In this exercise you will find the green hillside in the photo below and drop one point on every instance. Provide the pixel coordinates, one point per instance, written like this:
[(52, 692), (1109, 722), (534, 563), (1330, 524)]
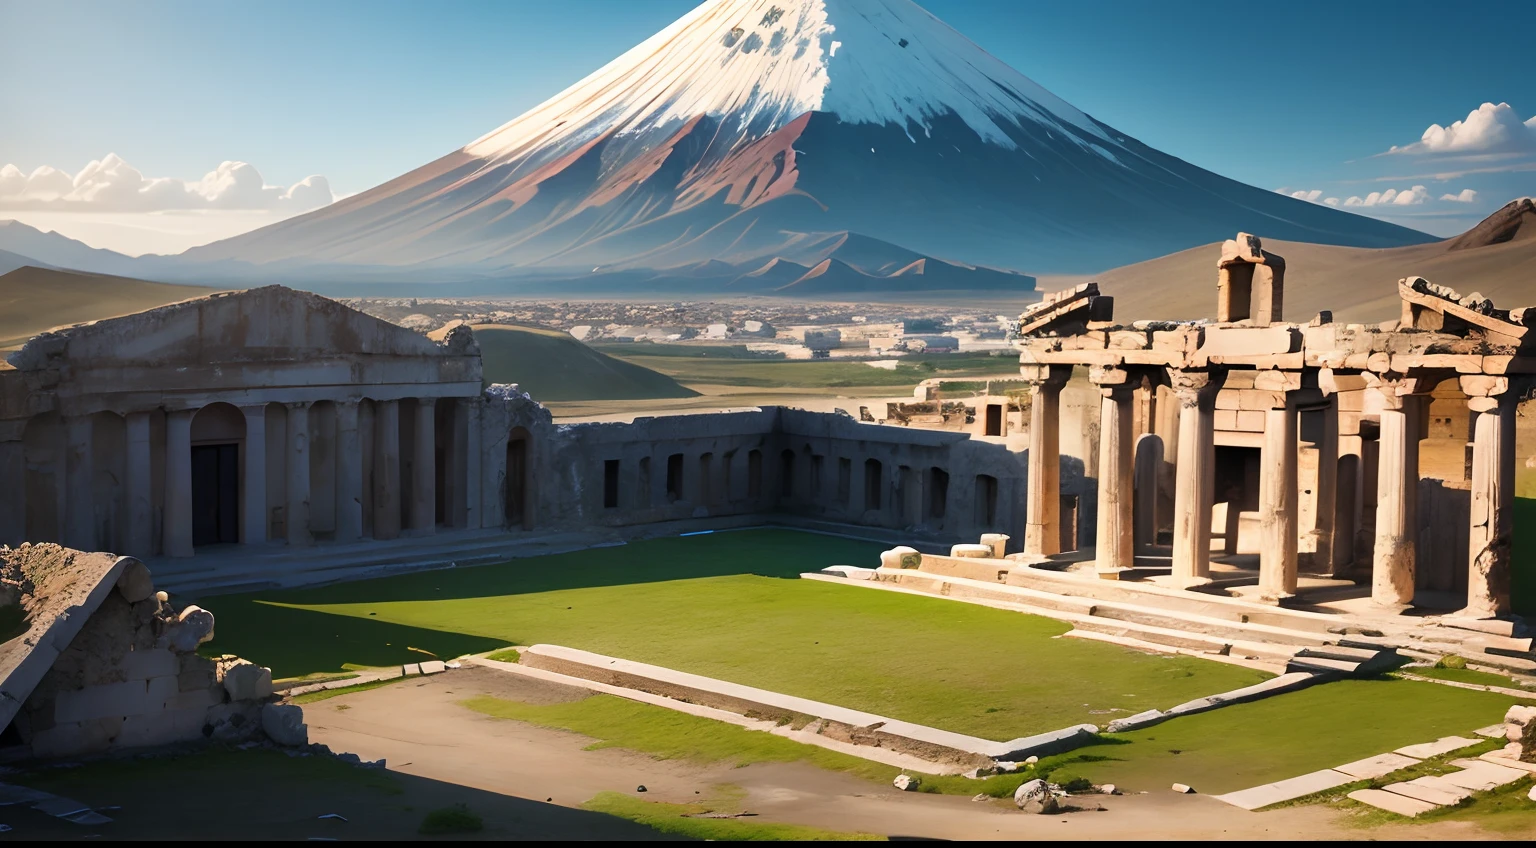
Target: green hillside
[(552, 366)]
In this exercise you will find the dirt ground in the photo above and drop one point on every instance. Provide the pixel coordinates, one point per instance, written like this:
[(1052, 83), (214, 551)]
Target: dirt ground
[(421, 729)]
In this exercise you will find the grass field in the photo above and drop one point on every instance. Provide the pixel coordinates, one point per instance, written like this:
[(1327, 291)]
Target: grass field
[(1224, 750), (718, 605), (552, 366)]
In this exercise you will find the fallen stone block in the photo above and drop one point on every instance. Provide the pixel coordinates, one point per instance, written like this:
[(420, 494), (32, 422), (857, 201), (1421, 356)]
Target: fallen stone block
[(433, 667), (1520, 728), (1443, 794), (1035, 796), (1392, 802), (135, 583), (284, 725), (246, 681), (966, 551), (1183, 789), (906, 783), (410, 669), (1142, 719), (192, 628)]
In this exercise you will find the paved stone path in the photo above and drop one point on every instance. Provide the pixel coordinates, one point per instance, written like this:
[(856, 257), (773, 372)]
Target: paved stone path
[(1408, 798)]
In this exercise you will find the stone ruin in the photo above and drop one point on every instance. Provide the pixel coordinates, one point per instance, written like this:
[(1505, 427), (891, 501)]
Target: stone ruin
[(97, 661)]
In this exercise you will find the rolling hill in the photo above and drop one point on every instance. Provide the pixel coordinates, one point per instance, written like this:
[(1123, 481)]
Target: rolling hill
[(34, 300), (1496, 258), (552, 366)]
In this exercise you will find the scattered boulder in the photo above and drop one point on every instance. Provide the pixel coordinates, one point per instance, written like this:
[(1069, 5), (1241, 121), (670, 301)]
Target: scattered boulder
[(906, 783), (901, 556), (1520, 729), (192, 628), (1183, 789), (434, 667), (1109, 789), (284, 724), (1035, 796), (247, 681), (641, 788)]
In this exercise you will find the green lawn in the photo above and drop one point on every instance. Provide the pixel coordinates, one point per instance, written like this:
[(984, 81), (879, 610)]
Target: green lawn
[(718, 605), (1246, 745), (680, 822)]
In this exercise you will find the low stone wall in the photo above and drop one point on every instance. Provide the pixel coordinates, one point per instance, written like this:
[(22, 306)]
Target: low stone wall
[(107, 664)]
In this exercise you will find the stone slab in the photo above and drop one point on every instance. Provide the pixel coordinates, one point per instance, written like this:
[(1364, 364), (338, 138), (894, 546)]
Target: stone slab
[(1377, 766), (410, 669), (1435, 782), (1392, 802), (434, 667), (1286, 790), (1439, 747), (1429, 794), (1492, 731), (1498, 758), (1480, 775)]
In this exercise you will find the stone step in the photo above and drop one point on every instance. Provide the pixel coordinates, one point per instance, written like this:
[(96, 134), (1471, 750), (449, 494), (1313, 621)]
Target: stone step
[(1323, 665), (1441, 795), (1367, 661), (1392, 802)]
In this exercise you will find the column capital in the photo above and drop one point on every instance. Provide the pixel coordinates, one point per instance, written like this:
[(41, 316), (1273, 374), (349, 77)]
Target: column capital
[(1045, 376), (426, 401), (1113, 383), (298, 404), (1194, 387)]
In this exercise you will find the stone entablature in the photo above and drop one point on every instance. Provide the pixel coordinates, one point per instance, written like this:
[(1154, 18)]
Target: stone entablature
[(1244, 382)]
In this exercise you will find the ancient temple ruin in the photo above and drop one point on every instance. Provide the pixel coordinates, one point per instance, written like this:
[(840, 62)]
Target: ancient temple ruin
[(1301, 439)]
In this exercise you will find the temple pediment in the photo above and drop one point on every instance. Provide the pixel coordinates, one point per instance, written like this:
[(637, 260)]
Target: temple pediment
[(268, 324)]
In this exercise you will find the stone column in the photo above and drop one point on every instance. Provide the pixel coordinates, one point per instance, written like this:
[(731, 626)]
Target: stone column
[(296, 504), (1326, 557), (1278, 504), (137, 485), (1195, 477), (423, 469), (386, 469), (473, 462), (1042, 519), (1148, 461), (177, 540), (253, 491), (349, 474), (1397, 493), (1493, 478), (13, 483), (1115, 549), (79, 520)]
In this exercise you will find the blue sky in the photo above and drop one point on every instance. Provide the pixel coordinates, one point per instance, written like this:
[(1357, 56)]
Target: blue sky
[(1299, 95)]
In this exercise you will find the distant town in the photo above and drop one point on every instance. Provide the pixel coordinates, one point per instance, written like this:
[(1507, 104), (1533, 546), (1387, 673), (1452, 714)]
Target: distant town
[(788, 330)]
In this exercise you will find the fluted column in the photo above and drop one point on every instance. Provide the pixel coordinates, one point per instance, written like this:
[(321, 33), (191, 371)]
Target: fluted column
[(349, 474), (177, 541), (1194, 491), (1115, 548), (473, 462), (13, 483), (1042, 509), (1493, 477), (79, 530), (253, 488), (296, 509), (1393, 569), (138, 486), (423, 469), (1327, 556), (1278, 512), (386, 469)]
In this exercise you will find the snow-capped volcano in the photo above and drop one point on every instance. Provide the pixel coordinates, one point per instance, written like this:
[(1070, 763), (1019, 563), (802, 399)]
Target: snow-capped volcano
[(862, 131)]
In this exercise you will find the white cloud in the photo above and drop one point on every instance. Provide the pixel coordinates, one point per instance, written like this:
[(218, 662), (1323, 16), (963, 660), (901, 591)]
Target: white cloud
[(1415, 196), (1489, 128), (1332, 201), (1467, 196), (113, 185), (1309, 196)]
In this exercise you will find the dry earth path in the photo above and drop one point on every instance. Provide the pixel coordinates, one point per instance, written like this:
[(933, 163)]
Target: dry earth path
[(420, 727)]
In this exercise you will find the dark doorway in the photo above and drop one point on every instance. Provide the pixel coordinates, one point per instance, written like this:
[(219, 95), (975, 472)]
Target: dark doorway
[(610, 484), (517, 482), (787, 474), (938, 493), (986, 500), (215, 494), (754, 474), (994, 419), (675, 477), (874, 483)]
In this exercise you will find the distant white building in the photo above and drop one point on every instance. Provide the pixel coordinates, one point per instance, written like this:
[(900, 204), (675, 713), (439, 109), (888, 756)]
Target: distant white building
[(715, 331)]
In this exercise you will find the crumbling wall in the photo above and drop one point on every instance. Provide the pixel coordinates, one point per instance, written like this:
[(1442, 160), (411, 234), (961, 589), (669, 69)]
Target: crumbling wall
[(129, 675)]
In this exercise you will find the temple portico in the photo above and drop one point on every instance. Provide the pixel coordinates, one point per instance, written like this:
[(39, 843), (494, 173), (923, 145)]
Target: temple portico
[(1299, 445)]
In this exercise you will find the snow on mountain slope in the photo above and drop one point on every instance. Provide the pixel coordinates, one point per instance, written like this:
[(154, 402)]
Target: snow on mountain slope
[(753, 130)]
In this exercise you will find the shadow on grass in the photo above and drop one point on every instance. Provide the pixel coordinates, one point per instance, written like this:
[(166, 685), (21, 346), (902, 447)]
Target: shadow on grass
[(763, 552), (298, 641)]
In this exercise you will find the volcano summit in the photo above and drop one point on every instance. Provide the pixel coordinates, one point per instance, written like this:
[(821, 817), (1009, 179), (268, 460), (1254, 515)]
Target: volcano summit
[(795, 145)]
